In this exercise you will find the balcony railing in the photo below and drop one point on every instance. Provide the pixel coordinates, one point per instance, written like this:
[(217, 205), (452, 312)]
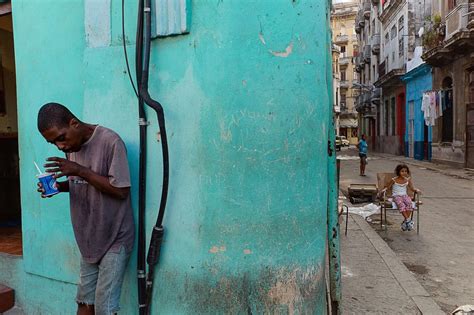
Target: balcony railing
[(356, 25), (458, 19), (340, 39), (363, 60), (375, 95), (367, 53), (389, 6), (366, 8), (358, 66), (358, 104), (361, 19), (363, 102), (453, 38), (366, 98), (344, 61), (375, 43), (382, 69), (344, 84)]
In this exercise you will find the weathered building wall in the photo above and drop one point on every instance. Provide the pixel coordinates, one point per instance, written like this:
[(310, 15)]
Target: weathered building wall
[(452, 152), (247, 100), (418, 81)]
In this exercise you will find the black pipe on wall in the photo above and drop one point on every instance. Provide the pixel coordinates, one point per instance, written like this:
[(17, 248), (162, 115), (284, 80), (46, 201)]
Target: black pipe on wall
[(145, 289)]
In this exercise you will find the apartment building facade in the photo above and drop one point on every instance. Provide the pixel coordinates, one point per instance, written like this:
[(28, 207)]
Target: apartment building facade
[(388, 32), (343, 16), (449, 49), (335, 52), (368, 29)]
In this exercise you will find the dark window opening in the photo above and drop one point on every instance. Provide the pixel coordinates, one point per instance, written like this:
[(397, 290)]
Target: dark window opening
[(3, 105), (10, 210), (447, 119), (451, 4), (392, 116)]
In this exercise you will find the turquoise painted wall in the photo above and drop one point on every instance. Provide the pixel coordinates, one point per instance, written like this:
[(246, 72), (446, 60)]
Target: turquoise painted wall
[(248, 107), (418, 81)]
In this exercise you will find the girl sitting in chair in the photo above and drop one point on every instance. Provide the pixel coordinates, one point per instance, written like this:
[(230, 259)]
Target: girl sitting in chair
[(400, 196)]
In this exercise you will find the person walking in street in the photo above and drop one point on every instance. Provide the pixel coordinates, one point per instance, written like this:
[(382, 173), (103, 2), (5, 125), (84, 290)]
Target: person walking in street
[(400, 196), (98, 182), (363, 148)]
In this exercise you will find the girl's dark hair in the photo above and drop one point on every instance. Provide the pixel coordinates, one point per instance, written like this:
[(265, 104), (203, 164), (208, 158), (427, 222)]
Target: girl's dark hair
[(399, 168)]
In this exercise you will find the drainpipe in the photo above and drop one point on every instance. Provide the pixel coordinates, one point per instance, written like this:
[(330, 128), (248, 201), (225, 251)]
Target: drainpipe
[(141, 265), (143, 62)]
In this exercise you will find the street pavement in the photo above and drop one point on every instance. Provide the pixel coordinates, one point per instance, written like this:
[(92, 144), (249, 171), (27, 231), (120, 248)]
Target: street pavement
[(413, 271)]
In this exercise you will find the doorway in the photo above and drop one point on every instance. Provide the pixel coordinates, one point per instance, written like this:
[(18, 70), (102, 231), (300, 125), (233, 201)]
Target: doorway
[(470, 122), (10, 208), (411, 129), (401, 123), (426, 144)]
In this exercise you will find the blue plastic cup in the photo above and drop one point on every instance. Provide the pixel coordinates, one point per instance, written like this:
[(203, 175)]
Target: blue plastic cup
[(49, 184)]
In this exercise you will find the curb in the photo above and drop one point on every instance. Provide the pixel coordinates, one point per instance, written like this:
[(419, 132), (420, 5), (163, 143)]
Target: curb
[(428, 167), (420, 297)]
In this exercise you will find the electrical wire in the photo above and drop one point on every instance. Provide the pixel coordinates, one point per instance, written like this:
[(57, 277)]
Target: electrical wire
[(125, 48)]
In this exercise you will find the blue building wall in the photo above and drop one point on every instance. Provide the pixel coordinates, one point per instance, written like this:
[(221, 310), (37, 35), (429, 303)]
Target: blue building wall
[(418, 81), (247, 97)]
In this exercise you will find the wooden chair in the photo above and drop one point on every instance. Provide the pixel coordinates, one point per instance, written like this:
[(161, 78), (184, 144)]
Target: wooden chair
[(385, 200)]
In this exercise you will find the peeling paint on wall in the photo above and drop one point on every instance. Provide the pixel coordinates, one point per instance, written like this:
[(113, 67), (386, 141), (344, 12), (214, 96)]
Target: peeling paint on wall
[(283, 54)]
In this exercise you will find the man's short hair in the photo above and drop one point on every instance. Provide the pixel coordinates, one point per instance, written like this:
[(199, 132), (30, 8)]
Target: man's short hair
[(54, 115)]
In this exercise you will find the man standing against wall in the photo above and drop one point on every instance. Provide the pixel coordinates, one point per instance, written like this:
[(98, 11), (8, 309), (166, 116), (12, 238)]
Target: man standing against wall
[(98, 182), (363, 148)]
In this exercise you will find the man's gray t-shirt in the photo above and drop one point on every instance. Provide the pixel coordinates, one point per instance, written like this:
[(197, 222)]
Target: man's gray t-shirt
[(100, 221)]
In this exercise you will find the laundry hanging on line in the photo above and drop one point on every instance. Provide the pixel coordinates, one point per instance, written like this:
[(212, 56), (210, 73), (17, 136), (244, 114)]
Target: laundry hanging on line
[(434, 103)]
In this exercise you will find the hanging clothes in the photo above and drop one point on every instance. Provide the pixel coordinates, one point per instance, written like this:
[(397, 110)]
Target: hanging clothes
[(433, 112), (426, 108)]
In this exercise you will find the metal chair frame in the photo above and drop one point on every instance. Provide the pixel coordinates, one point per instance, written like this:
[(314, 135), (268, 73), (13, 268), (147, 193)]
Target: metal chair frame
[(385, 204)]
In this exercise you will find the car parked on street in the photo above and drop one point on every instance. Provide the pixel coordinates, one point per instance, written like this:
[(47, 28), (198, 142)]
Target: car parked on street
[(344, 141)]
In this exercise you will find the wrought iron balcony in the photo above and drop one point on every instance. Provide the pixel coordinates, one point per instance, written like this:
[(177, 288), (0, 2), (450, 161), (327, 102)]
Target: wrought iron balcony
[(366, 98), (361, 19), (344, 61), (389, 7), (356, 25), (341, 39), (358, 103), (458, 37), (358, 66), (376, 93), (366, 8), (367, 53), (344, 84), (382, 69), (363, 102), (459, 19), (375, 43)]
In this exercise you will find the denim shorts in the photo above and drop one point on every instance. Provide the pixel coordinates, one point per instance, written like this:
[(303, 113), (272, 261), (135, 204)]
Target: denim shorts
[(100, 284)]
